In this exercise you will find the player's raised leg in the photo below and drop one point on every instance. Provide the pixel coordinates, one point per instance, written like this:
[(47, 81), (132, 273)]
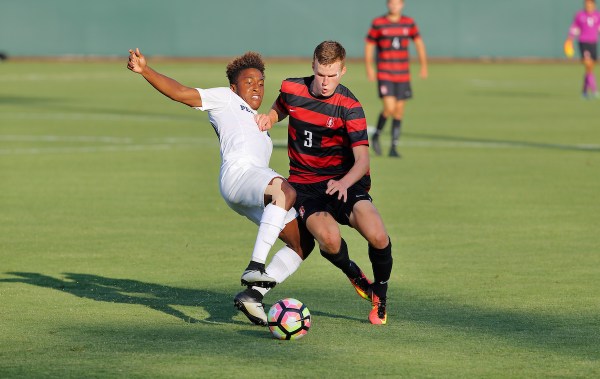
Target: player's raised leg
[(272, 222)]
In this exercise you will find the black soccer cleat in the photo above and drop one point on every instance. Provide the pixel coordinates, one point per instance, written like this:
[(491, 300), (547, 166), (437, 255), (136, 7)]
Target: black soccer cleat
[(394, 153), (375, 144)]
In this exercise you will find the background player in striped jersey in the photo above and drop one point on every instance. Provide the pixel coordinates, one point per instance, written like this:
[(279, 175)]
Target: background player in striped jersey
[(585, 27), (389, 35), (247, 183), (328, 149)]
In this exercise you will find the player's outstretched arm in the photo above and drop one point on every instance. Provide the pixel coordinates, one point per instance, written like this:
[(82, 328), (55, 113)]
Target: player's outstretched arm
[(165, 85)]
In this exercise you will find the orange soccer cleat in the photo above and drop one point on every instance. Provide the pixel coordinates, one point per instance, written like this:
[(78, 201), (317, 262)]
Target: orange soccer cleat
[(378, 315), (362, 286)]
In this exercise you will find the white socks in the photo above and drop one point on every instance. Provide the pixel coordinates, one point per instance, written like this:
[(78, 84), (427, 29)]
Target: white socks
[(271, 224), (282, 266)]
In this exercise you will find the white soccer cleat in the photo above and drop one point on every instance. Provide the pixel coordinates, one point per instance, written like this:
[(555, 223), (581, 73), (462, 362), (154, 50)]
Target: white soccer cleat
[(249, 301), (258, 278)]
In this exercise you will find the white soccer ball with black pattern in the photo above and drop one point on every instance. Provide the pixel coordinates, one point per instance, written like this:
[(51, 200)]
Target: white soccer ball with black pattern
[(289, 319)]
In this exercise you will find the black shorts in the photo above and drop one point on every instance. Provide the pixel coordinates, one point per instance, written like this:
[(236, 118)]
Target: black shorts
[(311, 198), (588, 49), (400, 91)]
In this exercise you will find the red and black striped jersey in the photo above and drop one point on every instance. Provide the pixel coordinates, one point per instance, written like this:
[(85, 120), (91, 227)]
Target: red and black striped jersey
[(322, 130), (392, 40)]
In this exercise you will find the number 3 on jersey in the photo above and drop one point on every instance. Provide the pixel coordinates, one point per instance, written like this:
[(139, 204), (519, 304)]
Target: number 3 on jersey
[(308, 139)]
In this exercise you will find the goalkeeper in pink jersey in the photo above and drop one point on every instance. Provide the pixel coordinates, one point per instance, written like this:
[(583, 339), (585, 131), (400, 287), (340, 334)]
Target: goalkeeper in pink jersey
[(585, 27)]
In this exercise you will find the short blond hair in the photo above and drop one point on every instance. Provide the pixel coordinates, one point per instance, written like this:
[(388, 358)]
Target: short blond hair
[(329, 52)]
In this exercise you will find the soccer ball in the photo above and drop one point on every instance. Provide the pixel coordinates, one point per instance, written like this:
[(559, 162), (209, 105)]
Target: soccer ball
[(288, 319)]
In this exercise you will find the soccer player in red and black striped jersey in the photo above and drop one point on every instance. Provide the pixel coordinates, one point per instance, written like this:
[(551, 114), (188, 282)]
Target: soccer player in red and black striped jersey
[(390, 36), (328, 149)]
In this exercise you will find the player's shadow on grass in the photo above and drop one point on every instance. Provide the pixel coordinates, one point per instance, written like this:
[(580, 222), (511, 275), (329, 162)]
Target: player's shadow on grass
[(28, 101), (161, 298), (500, 143)]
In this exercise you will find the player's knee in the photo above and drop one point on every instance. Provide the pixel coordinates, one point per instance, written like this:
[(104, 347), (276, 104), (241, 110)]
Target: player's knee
[(282, 193), (289, 193), (379, 240), (330, 242), (399, 112)]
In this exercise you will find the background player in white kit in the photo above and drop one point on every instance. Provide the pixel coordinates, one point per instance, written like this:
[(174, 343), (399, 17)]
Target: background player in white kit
[(247, 184)]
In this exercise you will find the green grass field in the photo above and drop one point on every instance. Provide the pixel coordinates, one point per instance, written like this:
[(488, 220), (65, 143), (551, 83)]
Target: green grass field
[(118, 257)]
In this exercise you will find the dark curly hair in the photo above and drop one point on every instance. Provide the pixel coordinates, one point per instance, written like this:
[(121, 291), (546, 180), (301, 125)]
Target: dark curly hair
[(248, 60)]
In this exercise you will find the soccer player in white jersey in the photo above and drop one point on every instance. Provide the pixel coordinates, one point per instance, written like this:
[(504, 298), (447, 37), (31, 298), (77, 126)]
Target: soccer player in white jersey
[(247, 184)]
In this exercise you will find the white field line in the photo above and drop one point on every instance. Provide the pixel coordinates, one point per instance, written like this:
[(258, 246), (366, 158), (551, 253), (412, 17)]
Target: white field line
[(35, 77), (90, 149), (496, 145), (72, 116), (105, 139), (93, 139)]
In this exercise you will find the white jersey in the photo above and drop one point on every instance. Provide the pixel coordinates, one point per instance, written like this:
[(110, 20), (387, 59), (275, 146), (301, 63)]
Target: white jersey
[(233, 120), (245, 152)]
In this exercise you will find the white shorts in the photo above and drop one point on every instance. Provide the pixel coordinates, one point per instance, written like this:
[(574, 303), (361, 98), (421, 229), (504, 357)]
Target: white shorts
[(243, 186)]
